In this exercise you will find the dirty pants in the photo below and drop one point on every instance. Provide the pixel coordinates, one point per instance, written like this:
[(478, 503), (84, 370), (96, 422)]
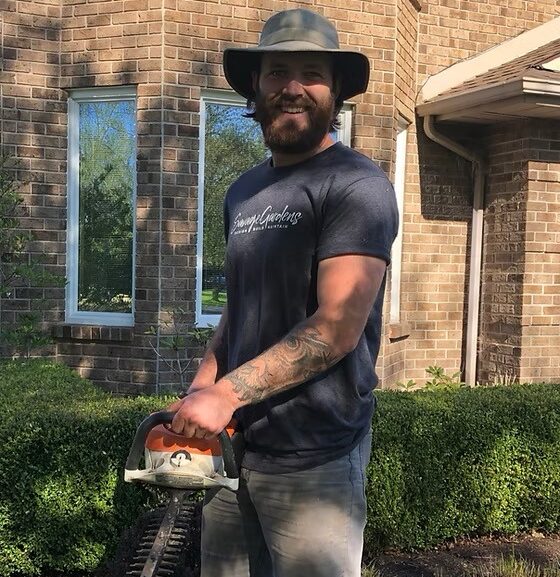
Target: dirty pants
[(303, 524)]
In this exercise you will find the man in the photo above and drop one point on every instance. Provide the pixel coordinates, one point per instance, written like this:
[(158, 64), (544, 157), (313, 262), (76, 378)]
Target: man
[(309, 234)]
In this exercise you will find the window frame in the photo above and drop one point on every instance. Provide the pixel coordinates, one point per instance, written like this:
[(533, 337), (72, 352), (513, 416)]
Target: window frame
[(229, 98), (72, 314), (401, 151)]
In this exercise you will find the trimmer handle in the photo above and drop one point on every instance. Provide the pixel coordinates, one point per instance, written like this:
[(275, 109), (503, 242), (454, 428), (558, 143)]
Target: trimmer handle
[(165, 418)]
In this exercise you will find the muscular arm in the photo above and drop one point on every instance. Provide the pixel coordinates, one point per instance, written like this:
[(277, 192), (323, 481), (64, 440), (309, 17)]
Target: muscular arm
[(214, 362), (346, 290), (300, 356)]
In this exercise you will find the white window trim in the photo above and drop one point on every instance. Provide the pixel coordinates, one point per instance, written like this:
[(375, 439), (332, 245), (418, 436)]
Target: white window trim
[(72, 315), (231, 98), (344, 133), (396, 252)]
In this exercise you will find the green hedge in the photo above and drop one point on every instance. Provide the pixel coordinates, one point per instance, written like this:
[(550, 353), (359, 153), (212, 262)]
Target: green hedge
[(463, 462), (444, 464), (63, 444)]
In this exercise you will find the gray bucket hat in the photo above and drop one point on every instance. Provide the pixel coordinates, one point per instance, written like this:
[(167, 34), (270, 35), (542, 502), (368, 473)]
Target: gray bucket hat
[(297, 30)]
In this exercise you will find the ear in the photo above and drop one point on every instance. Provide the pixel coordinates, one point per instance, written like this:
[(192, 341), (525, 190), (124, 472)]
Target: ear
[(255, 80)]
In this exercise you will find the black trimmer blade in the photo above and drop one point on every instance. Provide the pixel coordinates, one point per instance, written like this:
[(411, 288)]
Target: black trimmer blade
[(162, 547)]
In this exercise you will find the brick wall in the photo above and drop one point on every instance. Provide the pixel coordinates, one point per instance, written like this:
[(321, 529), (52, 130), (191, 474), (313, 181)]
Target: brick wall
[(406, 57), (393, 352), (439, 206), (540, 345), (115, 44), (520, 328), (32, 129), (436, 260), (504, 253), (370, 28), (452, 30), (170, 50)]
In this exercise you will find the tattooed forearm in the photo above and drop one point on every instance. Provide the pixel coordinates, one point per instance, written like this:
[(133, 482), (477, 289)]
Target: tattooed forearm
[(300, 356), (247, 383)]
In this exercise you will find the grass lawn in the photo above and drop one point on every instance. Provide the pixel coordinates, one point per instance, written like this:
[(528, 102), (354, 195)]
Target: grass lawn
[(209, 300), (509, 566)]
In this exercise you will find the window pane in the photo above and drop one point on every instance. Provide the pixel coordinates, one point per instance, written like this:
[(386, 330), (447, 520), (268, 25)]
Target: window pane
[(107, 176), (233, 144)]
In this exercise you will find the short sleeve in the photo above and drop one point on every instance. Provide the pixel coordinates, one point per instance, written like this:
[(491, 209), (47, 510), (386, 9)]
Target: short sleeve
[(361, 218)]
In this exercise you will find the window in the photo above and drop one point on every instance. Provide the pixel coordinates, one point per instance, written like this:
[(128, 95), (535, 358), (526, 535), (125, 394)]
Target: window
[(101, 206), (396, 253), (230, 144)]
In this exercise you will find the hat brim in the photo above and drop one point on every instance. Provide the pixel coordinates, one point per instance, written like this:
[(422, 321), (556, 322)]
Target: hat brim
[(239, 63)]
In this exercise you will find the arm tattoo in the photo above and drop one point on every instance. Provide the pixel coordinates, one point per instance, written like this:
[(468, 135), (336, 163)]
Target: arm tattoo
[(300, 356)]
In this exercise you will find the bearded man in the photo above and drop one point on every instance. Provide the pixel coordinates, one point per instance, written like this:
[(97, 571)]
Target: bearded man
[(309, 235)]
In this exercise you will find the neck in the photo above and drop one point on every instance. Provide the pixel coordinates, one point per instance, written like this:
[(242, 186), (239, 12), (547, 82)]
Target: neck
[(286, 159)]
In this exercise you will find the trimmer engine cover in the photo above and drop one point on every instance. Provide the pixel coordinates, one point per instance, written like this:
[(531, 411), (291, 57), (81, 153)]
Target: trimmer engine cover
[(178, 462)]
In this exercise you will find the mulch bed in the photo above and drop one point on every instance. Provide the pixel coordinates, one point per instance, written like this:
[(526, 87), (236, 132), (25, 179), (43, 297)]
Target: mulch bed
[(463, 557)]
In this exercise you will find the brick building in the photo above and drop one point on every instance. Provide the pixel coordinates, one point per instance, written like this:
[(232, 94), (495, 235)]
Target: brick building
[(119, 114)]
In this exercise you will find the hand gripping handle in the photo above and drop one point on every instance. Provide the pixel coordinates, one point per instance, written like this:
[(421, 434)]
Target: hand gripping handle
[(165, 417)]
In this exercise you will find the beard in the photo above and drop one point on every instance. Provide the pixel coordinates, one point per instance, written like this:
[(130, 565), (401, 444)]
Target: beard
[(287, 136)]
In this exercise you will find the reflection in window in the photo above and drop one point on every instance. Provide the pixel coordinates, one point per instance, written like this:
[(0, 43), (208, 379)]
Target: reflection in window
[(102, 181), (232, 145)]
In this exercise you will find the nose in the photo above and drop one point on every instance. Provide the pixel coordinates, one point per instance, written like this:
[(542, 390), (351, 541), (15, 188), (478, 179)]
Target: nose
[(293, 87)]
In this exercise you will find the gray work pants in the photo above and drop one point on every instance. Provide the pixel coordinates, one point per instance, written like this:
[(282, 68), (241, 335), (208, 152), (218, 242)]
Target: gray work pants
[(304, 524)]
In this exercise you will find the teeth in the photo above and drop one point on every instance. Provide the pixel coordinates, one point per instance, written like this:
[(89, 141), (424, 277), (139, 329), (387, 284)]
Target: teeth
[(293, 110)]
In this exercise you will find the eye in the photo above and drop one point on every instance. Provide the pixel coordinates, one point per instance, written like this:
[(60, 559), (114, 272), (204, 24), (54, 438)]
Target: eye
[(277, 73), (314, 75)]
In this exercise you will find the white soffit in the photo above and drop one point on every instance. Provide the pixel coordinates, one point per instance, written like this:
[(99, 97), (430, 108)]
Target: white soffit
[(552, 65), (492, 58)]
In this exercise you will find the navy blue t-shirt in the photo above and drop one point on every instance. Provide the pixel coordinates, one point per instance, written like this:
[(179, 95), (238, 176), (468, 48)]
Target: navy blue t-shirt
[(280, 222)]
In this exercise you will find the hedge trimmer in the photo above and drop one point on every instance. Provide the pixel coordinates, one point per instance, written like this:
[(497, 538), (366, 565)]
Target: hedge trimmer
[(182, 466)]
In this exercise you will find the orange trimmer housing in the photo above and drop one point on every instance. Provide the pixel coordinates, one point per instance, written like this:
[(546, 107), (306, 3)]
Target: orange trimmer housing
[(175, 461), (162, 439)]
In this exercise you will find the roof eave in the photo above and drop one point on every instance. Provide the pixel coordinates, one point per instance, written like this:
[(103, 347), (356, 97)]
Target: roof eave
[(453, 106), (494, 57)]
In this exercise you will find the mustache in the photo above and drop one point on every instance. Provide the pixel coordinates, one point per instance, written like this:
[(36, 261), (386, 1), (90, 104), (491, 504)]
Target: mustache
[(298, 101)]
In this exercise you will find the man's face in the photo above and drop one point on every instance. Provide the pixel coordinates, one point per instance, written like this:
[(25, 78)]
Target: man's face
[(294, 100)]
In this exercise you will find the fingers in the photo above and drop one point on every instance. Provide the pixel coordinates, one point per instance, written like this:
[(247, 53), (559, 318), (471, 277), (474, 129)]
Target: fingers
[(175, 405), (201, 415), (181, 426), (202, 434)]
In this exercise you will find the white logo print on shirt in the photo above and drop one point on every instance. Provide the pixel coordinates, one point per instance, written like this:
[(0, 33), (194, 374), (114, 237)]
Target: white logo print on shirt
[(265, 220)]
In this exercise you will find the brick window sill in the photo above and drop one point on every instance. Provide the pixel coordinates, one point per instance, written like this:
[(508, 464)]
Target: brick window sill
[(398, 331), (69, 332)]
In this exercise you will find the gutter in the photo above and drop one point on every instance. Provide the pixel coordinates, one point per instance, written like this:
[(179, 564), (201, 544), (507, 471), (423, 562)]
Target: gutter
[(473, 306)]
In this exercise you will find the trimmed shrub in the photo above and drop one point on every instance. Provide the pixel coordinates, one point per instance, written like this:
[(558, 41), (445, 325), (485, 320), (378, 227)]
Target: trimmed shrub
[(63, 503), (444, 464), (461, 462)]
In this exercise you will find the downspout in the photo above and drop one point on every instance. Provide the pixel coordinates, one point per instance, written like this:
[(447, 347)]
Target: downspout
[(473, 306)]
